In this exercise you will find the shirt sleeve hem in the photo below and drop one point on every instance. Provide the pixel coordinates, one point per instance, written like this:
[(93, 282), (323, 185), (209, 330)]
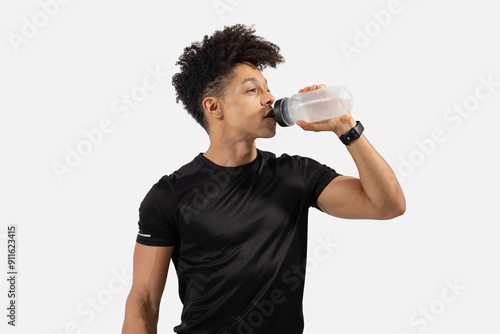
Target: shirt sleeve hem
[(324, 183), (154, 242)]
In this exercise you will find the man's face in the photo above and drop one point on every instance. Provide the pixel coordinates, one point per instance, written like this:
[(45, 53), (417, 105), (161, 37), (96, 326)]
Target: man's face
[(246, 104)]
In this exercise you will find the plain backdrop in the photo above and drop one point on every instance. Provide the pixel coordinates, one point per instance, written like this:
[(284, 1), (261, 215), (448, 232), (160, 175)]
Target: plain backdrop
[(425, 79)]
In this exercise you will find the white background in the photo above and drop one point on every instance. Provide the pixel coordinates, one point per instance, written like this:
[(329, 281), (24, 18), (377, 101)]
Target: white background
[(76, 232)]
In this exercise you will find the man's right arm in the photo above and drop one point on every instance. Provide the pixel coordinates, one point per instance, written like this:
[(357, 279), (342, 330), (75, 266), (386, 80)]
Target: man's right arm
[(149, 277)]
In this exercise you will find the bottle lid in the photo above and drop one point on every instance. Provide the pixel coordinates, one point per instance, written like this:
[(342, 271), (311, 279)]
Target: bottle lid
[(281, 112)]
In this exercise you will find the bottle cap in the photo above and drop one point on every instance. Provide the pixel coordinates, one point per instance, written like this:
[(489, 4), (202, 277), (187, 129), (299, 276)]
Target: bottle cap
[(281, 112)]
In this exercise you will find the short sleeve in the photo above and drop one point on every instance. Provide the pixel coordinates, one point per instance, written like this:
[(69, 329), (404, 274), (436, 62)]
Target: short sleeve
[(157, 216), (316, 177)]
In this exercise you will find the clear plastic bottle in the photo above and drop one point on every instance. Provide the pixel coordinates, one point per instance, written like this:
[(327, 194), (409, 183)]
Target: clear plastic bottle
[(313, 106)]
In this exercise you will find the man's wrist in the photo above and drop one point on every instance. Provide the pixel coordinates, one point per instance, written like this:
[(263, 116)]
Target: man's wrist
[(353, 134), (344, 126)]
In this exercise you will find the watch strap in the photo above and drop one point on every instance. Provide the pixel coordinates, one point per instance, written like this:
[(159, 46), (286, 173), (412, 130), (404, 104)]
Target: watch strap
[(352, 134)]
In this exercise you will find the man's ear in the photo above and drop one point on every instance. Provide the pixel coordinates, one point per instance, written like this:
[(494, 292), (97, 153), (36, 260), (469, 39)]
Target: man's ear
[(212, 107)]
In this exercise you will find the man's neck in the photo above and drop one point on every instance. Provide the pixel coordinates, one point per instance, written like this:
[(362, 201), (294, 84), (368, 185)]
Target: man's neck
[(231, 154)]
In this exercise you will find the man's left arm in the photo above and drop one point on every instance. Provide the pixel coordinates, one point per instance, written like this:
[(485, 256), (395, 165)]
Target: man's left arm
[(376, 194)]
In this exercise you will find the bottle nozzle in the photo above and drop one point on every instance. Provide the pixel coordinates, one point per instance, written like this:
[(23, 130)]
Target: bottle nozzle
[(281, 112)]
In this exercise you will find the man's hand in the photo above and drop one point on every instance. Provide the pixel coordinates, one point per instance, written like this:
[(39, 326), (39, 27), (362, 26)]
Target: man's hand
[(339, 125)]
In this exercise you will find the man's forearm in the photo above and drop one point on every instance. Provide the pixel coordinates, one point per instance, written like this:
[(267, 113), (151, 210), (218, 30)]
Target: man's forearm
[(377, 178), (380, 190), (140, 317)]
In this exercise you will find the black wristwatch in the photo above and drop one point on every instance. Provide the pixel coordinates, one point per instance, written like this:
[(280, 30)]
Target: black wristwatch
[(352, 134)]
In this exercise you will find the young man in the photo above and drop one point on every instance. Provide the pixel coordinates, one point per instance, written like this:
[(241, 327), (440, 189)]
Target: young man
[(234, 219)]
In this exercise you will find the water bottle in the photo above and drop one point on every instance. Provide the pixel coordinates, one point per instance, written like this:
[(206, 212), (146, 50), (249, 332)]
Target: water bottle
[(313, 106)]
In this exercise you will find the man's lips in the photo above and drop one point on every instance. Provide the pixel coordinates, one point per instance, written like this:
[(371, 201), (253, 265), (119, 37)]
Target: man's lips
[(270, 114)]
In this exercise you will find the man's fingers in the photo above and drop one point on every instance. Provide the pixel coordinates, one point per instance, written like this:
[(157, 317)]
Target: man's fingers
[(324, 125), (309, 126), (310, 88)]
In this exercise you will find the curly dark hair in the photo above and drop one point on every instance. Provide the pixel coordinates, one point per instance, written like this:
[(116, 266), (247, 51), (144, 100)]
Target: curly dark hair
[(206, 67)]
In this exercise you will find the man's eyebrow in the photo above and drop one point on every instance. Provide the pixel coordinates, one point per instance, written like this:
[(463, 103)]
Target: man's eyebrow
[(250, 79)]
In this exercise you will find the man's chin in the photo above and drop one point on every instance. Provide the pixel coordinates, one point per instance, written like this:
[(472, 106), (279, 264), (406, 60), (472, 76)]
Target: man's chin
[(268, 134)]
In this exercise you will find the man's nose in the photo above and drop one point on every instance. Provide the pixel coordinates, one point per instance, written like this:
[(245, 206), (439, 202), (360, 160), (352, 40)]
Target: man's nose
[(268, 99)]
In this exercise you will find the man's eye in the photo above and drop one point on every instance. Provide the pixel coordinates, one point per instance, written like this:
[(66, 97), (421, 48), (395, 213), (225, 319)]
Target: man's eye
[(252, 90)]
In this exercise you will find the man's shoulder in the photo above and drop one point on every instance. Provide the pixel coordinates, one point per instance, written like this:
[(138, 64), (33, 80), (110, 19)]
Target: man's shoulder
[(283, 158), (190, 168), (196, 165)]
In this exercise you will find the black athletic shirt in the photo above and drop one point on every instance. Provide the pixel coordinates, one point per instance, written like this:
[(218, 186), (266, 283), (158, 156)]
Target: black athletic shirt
[(240, 236)]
